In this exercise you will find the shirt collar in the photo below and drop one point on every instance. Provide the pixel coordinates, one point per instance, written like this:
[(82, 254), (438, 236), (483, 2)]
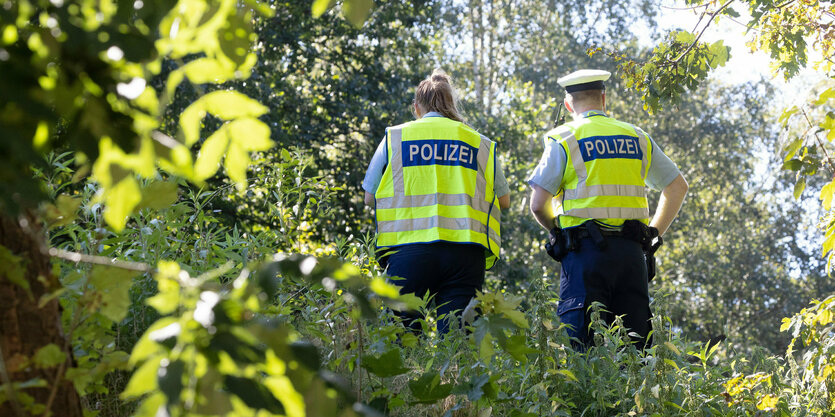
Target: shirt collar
[(591, 113), (433, 114)]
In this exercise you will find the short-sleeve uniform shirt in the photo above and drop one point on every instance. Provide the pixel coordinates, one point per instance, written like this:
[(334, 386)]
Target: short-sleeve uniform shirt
[(548, 174)]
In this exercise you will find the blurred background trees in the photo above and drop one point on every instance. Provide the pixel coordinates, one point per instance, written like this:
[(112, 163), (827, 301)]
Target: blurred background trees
[(214, 134)]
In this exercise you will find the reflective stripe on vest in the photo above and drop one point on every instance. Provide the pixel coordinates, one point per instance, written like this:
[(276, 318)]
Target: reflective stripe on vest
[(432, 156), (592, 198)]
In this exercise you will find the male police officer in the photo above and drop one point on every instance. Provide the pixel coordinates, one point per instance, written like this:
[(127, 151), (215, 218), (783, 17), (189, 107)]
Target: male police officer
[(598, 168)]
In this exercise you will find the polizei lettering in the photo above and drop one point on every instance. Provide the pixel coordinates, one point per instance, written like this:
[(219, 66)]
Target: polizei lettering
[(439, 152), (605, 147)]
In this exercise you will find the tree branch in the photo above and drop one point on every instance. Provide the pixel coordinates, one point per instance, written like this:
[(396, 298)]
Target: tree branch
[(820, 143), (696, 41), (11, 395), (99, 260)]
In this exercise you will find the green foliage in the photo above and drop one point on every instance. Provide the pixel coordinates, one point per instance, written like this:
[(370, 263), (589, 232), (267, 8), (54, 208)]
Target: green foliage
[(812, 331)]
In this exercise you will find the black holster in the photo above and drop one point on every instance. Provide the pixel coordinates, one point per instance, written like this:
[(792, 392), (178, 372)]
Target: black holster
[(557, 247), (648, 238)]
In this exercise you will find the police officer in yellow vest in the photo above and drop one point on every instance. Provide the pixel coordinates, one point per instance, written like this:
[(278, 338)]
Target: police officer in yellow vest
[(438, 190), (598, 168)]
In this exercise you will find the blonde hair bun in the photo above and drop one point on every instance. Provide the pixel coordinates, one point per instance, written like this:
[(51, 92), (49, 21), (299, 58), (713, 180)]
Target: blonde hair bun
[(439, 76), (437, 94)]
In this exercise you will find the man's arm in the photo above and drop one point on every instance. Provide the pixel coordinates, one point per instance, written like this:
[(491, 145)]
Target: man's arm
[(369, 199), (669, 204), (541, 207), (504, 201)]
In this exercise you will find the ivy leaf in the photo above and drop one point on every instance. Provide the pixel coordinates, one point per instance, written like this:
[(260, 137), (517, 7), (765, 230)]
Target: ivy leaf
[(113, 284)]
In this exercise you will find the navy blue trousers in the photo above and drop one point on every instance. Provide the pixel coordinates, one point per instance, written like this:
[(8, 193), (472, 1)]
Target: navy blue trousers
[(616, 277), (450, 272)]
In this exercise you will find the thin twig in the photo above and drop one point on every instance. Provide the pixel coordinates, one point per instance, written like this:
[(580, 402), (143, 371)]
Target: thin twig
[(11, 395), (820, 143), (692, 45), (99, 260), (686, 8), (55, 384)]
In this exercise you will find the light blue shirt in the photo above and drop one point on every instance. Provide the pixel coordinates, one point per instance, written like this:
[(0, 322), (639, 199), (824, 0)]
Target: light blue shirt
[(378, 164), (549, 172)]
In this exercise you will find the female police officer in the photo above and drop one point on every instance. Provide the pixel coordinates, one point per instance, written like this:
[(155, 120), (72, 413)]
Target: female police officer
[(436, 184)]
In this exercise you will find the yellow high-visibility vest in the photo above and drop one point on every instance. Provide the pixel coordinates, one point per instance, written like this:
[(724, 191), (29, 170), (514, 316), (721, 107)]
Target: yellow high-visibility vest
[(607, 163), (438, 186)]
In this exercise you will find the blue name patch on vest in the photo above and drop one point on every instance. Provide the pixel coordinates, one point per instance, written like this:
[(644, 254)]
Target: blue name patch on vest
[(607, 147), (439, 152)]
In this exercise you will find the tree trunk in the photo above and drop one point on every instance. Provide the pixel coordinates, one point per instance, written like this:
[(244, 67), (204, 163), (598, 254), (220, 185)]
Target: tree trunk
[(25, 327)]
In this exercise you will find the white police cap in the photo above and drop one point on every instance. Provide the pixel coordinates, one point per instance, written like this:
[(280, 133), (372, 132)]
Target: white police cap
[(584, 79)]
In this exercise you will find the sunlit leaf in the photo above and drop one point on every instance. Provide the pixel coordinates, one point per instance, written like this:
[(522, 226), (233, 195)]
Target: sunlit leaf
[(120, 200), (208, 160), (114, 286), (321, 6), (49, 356)]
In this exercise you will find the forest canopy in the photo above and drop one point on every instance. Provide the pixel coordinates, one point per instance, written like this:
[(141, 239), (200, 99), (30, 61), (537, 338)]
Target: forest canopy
[(183, 232)]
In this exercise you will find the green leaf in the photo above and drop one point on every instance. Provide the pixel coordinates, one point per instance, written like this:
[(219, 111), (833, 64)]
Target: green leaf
[(388, 364), (356, 11), (827, 192), (143, 380), (253, 394), (158, 195), (236, 40), (825, 96), (205, 70), (49, 356), (799, 187), (828, 124), (428, 388), (720, 54), (250, 134), (306, 354), (120, 200), (170, 379), (113, 284), (230, 105), (147, 346), (787, 114), (793, 164), (12, 268), (321, 6), (516, 346), (792, 148), (210, 155), (236, 163)]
